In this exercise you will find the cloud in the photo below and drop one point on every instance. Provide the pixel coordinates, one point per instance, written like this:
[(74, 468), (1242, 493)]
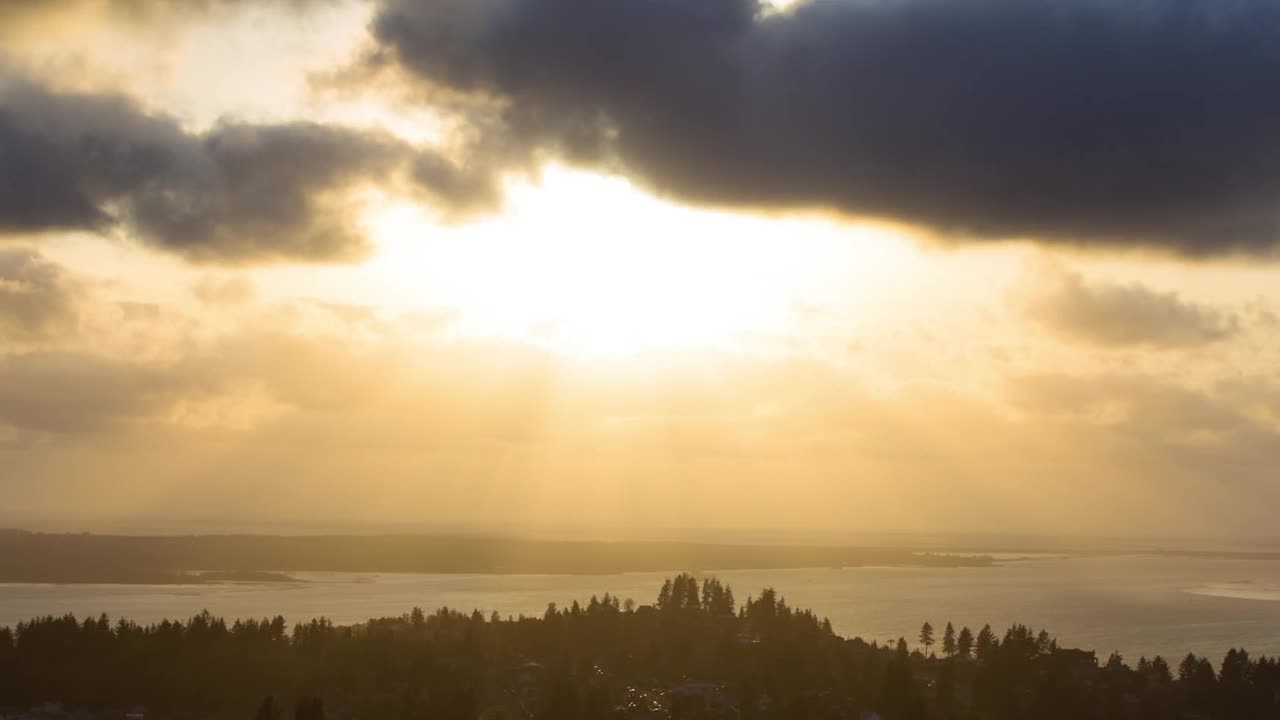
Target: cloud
[(1118, 316), (73, 392), (76, 392), (467, 434), (232, 290), (1168, 440), (1150, 406), (26, 21), (135, 9), (38, 298), (1098, 122), (470, 431), (239, 193), (1256, 394)]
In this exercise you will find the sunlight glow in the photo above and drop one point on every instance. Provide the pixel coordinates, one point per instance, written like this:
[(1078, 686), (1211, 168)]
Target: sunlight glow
[(594, 267)]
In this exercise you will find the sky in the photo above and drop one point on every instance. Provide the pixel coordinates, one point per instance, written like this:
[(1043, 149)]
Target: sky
[(640, 267)]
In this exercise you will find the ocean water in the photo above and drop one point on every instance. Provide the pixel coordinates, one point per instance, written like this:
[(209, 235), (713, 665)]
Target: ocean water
[(1134, 604)]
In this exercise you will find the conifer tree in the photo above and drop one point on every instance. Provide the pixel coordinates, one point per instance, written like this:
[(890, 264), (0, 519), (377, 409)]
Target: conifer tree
[(964, 642), (926, 637), (985, 643)]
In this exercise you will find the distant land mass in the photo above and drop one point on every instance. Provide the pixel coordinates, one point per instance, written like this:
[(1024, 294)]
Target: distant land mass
[(85, 558)]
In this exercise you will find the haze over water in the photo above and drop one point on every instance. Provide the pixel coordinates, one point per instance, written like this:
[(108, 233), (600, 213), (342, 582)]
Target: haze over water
[(1134, 604)]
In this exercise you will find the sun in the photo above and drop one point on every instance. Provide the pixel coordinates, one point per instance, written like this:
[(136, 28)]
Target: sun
[(595, 267)]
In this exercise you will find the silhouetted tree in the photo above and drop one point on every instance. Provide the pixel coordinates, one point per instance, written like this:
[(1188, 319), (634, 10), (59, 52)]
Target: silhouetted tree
[(1198, 683), (1160, 674), (926, 637), (664, 595), (949, 641), (1045, 642), (1115, 663), (985, 643), (964, 642)]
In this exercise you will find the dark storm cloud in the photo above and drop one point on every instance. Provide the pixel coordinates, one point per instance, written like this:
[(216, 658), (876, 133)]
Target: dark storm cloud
[(1115, 315), (1114, 122), (251, 192), (38, 298), (237, 193)]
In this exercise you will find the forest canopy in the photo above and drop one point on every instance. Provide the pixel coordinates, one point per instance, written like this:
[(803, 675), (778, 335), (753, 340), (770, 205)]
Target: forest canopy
[(695, 652)]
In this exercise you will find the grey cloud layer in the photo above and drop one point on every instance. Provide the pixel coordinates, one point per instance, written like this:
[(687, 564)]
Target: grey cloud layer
[(237, 193), (1146, 123), (1098, 122)]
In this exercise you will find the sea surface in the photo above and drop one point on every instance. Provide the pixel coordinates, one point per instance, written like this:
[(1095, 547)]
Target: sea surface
[(1134, 604)]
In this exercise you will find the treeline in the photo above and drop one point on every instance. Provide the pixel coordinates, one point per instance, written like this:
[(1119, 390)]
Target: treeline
[(694, 653)]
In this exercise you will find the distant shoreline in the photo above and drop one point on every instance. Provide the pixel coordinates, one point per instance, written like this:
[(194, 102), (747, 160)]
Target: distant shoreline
[(83, 559), (143, 578), (27, 557)]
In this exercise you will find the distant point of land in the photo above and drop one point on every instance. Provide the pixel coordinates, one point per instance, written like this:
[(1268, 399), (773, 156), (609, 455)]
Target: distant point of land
[(195, 559)]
